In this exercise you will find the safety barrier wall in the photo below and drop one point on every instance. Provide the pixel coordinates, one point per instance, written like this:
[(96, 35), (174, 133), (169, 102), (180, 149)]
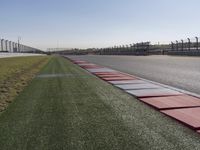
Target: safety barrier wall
[(13, 47)]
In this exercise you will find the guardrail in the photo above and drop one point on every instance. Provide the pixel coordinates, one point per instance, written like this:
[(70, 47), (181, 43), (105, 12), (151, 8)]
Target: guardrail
[(13, 47)]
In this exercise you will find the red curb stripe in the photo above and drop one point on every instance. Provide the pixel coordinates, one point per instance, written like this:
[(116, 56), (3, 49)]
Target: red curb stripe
[(172, 102)]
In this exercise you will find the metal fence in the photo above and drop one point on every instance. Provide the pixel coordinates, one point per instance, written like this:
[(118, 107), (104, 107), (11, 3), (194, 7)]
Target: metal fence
[(13, 47), (131, 49), (188, 44)]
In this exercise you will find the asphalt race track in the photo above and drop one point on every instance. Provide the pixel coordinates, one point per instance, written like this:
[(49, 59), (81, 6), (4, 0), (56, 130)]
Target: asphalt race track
[(179, 72)]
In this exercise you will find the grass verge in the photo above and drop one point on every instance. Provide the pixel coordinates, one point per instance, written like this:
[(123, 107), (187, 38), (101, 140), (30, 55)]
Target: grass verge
[(15, 74)]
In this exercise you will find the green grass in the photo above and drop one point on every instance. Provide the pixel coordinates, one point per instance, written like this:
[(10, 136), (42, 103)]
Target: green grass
[(82, 112), (15, 73)]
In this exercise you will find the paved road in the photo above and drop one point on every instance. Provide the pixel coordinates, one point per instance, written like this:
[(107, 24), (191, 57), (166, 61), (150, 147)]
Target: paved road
[(179, 72)]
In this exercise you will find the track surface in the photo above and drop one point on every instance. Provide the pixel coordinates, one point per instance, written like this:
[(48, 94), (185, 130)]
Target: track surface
[(80, 112), (179, 72)]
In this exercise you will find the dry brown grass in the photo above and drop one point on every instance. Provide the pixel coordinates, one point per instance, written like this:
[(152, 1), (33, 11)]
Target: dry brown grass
[(15, 74)]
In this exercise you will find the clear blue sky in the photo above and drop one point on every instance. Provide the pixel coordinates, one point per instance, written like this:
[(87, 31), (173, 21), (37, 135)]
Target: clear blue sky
[(98, 23)]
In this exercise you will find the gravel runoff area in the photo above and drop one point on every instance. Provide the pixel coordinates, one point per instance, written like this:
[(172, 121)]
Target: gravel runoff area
[(6, 55), (82, 112)]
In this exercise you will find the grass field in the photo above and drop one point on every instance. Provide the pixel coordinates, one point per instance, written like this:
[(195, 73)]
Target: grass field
[(77, 111), (15, 73)]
